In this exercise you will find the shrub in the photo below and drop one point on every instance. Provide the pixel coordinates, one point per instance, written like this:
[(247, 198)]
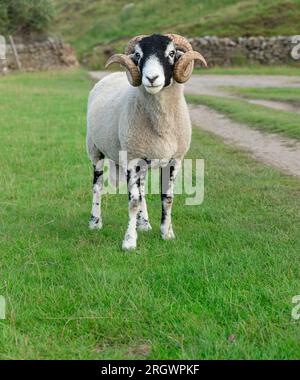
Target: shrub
[(25, 16)]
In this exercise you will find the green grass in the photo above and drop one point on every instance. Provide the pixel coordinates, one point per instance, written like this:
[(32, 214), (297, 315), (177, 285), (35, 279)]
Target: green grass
[(251, 70), (283, 94), (88, 24), (256, 116), (72, 293)]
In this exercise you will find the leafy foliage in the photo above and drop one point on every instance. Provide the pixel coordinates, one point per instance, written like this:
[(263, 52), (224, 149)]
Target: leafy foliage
[(25, 16)]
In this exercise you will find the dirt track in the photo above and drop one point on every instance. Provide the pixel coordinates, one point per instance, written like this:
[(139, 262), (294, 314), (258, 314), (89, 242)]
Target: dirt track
[(279, 152), (272, 149)]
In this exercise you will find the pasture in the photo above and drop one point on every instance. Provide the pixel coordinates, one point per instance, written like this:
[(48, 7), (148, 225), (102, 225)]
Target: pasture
[(222, 290)]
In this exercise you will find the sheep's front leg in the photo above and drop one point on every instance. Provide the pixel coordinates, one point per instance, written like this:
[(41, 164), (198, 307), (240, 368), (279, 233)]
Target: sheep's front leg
[(168, 175), (142, 221), (134, 204), (96, 219)]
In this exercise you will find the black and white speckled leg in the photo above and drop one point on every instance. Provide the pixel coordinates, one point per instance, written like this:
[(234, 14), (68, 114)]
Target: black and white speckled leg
[(96, 218), (168, 175), (134, 203), (142, 221)]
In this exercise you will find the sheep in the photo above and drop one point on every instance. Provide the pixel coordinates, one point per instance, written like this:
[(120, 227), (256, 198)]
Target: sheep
[(148, 118)]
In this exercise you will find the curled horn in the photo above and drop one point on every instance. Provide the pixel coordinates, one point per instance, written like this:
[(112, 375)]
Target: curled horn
[(132, 71), (184, 66), (180, 42)]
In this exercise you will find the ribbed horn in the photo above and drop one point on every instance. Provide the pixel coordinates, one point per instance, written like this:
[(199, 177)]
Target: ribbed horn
[(132, 71), (184, 66), (180, 42)]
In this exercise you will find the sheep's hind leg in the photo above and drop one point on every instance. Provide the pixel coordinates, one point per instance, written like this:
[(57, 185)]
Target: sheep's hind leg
[(142, 220), (168, 175), (96, 218), (134, 204)]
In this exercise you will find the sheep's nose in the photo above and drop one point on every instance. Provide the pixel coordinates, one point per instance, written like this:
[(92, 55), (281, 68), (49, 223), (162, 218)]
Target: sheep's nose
[(152, 79)]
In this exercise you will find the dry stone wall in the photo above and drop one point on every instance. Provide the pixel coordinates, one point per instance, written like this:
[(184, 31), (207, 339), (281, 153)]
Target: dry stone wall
[(40, 54), (245, 50)]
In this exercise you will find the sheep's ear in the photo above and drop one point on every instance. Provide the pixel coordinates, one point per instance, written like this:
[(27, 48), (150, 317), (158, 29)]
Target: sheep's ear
[(133, 58), (179, 53)]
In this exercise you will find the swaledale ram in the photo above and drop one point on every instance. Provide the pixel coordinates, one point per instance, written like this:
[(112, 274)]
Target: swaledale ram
[(143, 112)]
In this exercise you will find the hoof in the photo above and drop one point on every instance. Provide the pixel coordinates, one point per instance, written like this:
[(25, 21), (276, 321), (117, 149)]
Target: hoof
[(167, 235), (129, 243)]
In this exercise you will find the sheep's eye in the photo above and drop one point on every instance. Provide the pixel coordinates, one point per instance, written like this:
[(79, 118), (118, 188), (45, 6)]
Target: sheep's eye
[(137, 55), (172, 53)]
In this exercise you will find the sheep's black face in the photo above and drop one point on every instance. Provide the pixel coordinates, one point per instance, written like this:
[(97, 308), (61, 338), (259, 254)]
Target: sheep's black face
[(155, 56)]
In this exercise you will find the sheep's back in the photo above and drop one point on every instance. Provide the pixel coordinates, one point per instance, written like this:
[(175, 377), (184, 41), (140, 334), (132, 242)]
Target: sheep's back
[(106, 100)]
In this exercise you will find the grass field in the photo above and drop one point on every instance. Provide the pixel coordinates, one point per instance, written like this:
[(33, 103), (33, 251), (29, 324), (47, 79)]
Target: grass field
[(257, 116), (222, 289), (270, 93), (251, 70), (87, 24)]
